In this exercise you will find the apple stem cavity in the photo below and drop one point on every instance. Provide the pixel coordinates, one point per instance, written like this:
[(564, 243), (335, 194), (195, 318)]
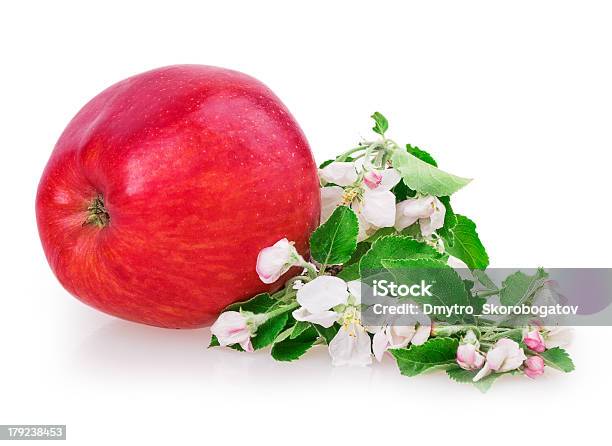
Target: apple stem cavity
[(97, 213)]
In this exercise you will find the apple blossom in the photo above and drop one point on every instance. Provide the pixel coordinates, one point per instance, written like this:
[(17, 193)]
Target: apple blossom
[(428, 210), (276, 260), (340, 173), (328, 299), (557, 336), (317, 299), (374, 206), (351, 346), (233, 327), (468, 356), (534, 340), (534, 367), (397, 336), (504, 356)]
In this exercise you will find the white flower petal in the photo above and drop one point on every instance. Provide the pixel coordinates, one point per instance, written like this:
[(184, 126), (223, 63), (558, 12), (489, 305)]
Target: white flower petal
[(435, 220), (322, 294), (325, 318), (340, 173), (558, 337), (356, 288), (400, 335), (401, 219), (456, 263), (485, 371), (421, 335), (331, 197), (378, 207), (390, 177), (380, 344), (351, 346), (419, 207)]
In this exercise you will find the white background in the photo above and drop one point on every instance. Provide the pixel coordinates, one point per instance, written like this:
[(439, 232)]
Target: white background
[(516, 95)]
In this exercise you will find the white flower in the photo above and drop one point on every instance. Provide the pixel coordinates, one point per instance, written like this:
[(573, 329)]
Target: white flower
[(377, 207), (504, 356), (340, 173), (429, 211), (329, 299), (232, 328), (374, 206), (331, 197), (557, 336), (391, 336), (276, 260), (317, 298), (351, 346)]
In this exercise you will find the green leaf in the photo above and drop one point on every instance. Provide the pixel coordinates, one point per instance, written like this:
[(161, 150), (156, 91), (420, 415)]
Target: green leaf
[(335, 241), (299, 328), (381, 125), (447, 288), (421, 154), (325, 163), (362, 248), (327, 333), (558, 358), (382, 232), (467, 245), (402, 192), (269, 330), (459, 375), (258, 304), (437, 353), (350, 272), (292, 349), (214, 342), (484, 279), (450, 221), (394, 247), (519, 287), (424, 177)]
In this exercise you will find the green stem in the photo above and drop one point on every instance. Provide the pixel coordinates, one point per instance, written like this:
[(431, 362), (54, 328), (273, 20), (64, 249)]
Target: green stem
[(486, 293), (345, 155), (282, 310), (312, 271)]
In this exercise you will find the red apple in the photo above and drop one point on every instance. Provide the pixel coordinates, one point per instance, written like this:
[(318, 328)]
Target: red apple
[(162, 190)]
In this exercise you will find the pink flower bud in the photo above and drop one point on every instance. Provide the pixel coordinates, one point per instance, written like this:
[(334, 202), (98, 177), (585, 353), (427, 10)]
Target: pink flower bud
[(535, 341), (534, 367), (372, 179), (469, 358), (232, 328), (276, 260)]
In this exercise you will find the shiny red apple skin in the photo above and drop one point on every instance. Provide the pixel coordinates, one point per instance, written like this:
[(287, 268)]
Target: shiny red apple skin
[(199, 168)]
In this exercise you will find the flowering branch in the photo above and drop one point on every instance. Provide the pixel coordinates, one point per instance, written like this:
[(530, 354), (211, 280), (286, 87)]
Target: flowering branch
[(386, 212)]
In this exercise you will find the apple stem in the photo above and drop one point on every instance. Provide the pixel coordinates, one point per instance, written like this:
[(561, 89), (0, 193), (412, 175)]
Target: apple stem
[(97, 213)]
